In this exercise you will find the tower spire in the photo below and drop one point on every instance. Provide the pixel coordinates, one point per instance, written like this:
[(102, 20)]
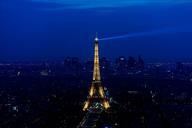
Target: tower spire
[(96, 37), (96, 69), (97, 98)]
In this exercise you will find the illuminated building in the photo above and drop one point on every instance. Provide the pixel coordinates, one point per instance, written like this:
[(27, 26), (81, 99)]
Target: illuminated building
[(97, 100)]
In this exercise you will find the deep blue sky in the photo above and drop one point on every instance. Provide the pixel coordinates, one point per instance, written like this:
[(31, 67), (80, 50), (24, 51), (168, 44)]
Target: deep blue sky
[(54, 29)]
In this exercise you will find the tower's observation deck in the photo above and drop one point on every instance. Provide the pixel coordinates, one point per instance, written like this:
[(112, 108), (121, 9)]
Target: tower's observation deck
[(97, 98)]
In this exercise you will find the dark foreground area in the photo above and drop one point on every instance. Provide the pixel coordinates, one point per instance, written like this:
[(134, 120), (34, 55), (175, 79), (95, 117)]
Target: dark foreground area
[(51, 94), (56, 102)]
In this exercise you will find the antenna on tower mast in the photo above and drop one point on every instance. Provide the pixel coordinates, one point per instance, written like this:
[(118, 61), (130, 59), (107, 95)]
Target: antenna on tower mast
[(96, 37)]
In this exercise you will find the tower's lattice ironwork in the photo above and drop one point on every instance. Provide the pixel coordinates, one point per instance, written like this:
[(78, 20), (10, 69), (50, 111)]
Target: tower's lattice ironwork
[(96, 98)]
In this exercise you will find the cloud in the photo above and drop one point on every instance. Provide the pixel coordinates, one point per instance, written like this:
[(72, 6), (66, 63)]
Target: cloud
[(85, 4)]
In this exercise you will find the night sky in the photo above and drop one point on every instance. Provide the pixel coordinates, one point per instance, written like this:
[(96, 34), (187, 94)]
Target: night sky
[(54, 29)]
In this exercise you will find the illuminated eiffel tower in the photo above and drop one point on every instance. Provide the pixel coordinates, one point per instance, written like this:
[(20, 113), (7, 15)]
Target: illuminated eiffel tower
[(97, 99)]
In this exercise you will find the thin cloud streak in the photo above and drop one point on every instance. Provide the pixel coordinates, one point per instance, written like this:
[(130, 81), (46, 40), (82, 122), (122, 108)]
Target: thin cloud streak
[(87, 4)]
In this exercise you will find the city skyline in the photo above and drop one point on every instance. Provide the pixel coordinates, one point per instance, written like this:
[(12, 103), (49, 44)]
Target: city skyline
[(95, 64)]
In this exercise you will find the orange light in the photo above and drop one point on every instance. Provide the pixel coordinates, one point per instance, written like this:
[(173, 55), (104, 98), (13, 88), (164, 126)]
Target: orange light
[(86, 106), (91, 91), (101, 92), (106, 104)]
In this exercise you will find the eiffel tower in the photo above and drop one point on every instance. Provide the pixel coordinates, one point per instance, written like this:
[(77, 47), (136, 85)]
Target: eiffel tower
[(97, 100)]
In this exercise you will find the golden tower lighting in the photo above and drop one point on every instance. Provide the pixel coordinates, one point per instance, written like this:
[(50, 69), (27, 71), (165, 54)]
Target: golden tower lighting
[(96, 92)]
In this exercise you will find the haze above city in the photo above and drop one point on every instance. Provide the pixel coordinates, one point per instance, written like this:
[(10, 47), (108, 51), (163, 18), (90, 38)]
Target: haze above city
[(47, 29)]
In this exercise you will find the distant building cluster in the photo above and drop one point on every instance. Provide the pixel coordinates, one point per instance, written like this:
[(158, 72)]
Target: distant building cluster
[(127, 66)]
